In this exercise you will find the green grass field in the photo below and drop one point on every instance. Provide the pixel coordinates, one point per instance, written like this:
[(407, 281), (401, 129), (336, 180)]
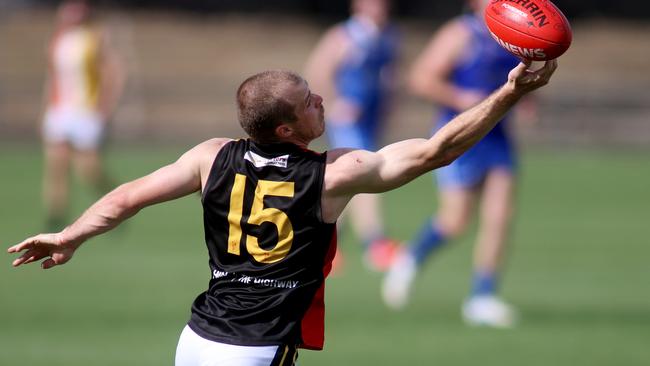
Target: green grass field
[(579, 272)]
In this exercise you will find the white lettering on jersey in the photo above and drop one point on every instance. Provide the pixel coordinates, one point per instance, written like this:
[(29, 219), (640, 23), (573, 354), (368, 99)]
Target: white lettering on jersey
[(259, 161), (218, 274), (248, 280)]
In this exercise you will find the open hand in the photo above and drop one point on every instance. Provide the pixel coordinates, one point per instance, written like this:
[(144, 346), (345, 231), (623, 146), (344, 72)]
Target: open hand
[(41, 246)]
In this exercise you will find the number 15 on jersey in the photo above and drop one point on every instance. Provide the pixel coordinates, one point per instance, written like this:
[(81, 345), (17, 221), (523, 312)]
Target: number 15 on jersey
[(258, 216)]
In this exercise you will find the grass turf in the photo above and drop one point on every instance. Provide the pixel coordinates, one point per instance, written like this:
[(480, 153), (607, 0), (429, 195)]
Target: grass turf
[(578, 272)]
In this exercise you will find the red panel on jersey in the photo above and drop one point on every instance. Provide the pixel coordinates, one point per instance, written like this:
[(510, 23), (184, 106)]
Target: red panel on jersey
[(313, 323)]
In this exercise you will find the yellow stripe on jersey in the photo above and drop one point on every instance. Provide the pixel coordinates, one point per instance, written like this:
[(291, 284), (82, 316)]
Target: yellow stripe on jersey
[(75, 73), (284, 355), (91, 68)]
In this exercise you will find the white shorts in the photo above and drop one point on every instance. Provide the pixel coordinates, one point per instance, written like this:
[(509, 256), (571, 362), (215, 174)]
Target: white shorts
[(193, 350), (83, 129)]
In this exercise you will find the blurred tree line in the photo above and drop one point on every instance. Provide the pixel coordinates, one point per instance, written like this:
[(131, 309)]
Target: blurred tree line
[(638, 9)]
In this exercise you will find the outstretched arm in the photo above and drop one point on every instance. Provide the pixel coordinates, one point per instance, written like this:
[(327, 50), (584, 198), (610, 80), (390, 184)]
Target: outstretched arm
[(357, 171), (178, 179)]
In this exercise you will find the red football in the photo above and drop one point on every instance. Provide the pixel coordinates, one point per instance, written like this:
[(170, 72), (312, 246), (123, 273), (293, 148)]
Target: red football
[(531, 29)]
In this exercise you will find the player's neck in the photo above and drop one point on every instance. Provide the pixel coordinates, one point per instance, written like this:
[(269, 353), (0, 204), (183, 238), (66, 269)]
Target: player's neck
[(286, 141), (295, 140)]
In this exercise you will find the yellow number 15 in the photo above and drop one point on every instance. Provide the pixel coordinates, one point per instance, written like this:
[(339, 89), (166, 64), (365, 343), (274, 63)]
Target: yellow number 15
[(258, 216)]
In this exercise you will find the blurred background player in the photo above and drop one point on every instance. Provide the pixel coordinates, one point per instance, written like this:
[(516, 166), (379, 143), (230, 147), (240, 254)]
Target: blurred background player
[(84, 83), (353, 66), (460, 66)]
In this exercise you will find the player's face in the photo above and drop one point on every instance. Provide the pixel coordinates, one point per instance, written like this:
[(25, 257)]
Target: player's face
[(310, 112), (73, 13), (378, 10)]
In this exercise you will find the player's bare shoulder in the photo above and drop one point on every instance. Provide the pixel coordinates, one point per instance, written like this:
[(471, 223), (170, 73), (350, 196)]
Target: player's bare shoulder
[(348, 169), (204, 154), (210, 148), (347, 172), (214, 143), (336, 34), (335, 42)]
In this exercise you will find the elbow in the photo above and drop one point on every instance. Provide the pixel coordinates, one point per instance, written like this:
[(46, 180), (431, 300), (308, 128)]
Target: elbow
[(447, 159), (417, 84), (442, 156), (118, 205), (442, 160)]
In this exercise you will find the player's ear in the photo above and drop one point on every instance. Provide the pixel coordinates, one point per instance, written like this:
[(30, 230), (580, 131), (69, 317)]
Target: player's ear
[(283, 131)]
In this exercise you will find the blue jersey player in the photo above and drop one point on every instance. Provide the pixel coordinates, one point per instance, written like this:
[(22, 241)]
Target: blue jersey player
[(460, 66), (353, 66)]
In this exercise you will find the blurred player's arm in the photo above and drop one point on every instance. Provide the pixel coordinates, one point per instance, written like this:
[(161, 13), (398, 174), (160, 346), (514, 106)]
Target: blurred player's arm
[(48, 85), (112, 77), (175, 180), (46, 96), (430, 73), (324, 61), (350, 172)]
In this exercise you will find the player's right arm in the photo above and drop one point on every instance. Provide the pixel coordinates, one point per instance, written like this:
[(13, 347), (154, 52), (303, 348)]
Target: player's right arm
[(320, 72), (187, 175), (325, 60), (350, 172), (112, 76), (429, 77)]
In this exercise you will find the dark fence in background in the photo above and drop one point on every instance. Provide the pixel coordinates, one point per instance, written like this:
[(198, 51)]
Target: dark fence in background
[(440, 9)]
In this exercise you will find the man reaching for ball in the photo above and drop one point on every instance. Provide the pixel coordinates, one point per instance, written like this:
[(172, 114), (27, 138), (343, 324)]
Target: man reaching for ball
[(270, 208)]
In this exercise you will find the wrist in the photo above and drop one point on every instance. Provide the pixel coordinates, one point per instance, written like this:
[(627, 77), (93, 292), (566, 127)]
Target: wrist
[(65, 238), (509, 91)]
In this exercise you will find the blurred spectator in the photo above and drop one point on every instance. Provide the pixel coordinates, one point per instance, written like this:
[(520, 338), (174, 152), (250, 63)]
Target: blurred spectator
[(85, 80), (353, 67), (462, 65)]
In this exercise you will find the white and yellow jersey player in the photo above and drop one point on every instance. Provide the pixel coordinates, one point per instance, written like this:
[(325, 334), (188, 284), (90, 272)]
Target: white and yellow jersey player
[(73, 112), (83, 86)]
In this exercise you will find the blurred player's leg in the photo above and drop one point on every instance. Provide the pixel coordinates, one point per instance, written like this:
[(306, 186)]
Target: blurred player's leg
[(55, 184), (89, 167), (495, 217), (365, 212), (484, 307), (453, 217), (366, 220)]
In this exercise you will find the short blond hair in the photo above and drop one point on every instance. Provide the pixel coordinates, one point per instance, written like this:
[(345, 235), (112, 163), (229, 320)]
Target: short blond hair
[(261, 106)]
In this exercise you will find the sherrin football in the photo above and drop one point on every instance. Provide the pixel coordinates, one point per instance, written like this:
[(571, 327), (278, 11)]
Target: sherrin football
[(531, 29)]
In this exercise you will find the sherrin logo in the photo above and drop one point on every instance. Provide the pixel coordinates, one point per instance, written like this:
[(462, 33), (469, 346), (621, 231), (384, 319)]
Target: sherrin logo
[(536, 11), (515, 10), (521, 51)]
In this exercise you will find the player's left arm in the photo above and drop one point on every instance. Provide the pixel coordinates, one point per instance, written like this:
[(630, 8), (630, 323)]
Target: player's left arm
[(175, 180), (112, 74)]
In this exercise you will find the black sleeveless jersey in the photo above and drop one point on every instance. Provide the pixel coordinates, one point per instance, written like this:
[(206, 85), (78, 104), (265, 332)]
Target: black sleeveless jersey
[(269, 248)]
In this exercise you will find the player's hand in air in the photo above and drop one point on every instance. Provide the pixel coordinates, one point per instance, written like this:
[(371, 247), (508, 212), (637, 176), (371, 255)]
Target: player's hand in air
[(41, 246), (523, 80)]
